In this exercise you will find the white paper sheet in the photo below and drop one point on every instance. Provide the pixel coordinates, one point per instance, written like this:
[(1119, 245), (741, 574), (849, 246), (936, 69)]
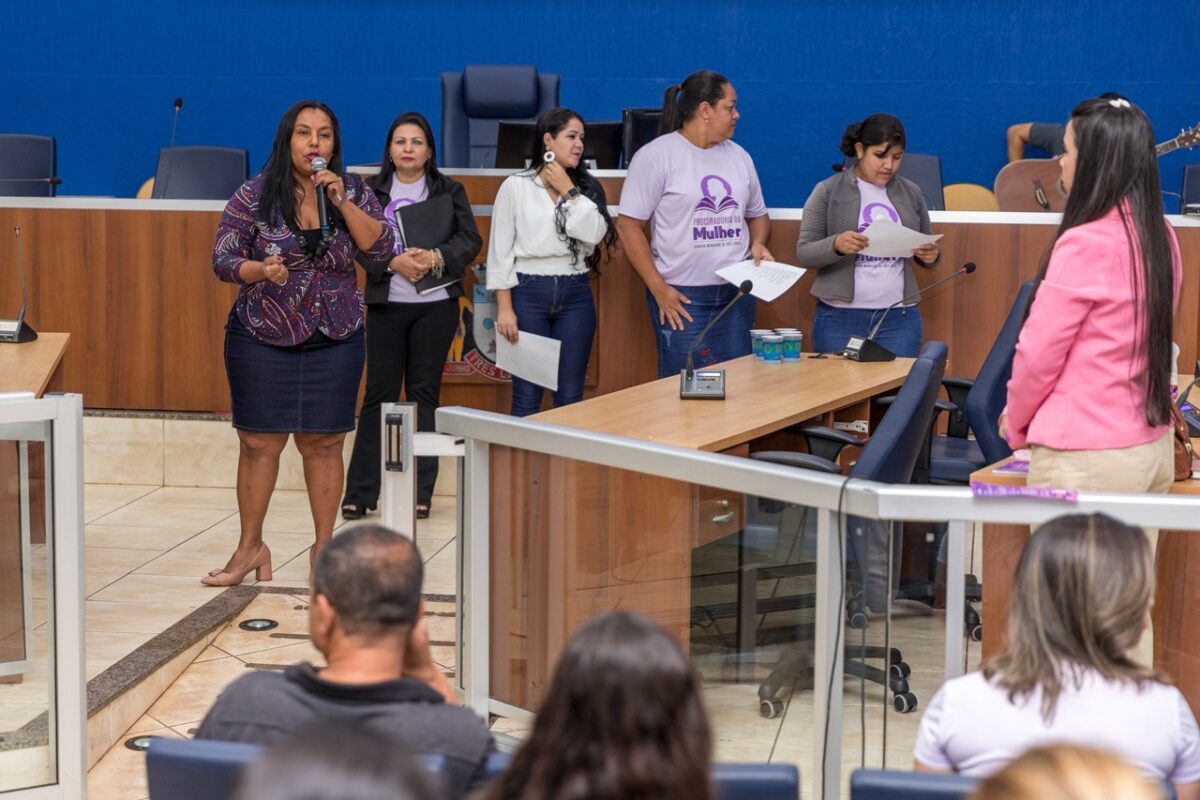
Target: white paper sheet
[(770, 278), (890, 240), (533, 357)]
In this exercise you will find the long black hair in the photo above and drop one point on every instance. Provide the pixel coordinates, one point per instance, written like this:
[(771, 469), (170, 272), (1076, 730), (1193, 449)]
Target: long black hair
[(681, 100), (280, 191), (552, 122), (435, 182), (622, 718), (873, 131), (1116, 167)]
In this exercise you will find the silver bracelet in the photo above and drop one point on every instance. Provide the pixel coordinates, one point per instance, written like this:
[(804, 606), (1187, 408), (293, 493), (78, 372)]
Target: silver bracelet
[(439, 264)]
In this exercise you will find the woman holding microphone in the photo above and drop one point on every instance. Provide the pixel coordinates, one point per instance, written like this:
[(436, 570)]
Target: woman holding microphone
[(700, 192), (294, 340), (548, 224), (853, 289), (410, 327)]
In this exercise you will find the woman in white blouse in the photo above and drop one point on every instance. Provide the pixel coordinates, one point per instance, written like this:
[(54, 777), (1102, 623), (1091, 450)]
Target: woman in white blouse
[(548, 223), (1081, 599)]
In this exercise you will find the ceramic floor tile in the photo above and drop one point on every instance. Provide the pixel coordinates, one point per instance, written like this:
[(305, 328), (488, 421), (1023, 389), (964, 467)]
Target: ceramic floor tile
[(190, 497), (193, 693), (109, 647), (278, 520), (139, 588), (148, 617), (121, 773), (158, 537), (23, 768), (287, 655), (96, 581), (279, 607), (115, 559), (194, 520), (211, 653), (211, 550), (114, 494)]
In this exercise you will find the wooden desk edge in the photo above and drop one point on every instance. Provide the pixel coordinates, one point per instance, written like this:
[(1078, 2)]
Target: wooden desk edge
[(49, 348)]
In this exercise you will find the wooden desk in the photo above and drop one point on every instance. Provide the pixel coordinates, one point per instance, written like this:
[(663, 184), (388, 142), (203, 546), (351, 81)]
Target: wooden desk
[(570, 540), (1176, 612), (30, 367)]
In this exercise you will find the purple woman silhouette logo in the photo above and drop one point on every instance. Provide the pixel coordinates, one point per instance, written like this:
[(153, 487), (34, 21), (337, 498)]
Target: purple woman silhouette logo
[(874, 211), (710, 203)]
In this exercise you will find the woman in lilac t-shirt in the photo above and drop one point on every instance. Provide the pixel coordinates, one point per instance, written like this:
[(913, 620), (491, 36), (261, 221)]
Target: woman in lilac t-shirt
[(701, 192)]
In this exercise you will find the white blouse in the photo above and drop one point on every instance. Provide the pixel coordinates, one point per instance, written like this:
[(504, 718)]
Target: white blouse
[(524, 238)]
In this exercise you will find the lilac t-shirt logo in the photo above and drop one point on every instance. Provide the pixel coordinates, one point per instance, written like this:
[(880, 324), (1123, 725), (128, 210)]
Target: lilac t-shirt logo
[(872, 211), (716, 221)]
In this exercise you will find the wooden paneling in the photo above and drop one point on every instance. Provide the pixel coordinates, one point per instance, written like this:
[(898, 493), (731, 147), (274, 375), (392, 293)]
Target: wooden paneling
[(138, 289)]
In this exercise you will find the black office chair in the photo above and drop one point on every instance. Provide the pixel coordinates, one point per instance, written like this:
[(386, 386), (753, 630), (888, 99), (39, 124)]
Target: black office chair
[(199, 173), (923, 170), (1189, 189), (476, 99), (890, 784), (639, 126), (28, 165), (889, 456)]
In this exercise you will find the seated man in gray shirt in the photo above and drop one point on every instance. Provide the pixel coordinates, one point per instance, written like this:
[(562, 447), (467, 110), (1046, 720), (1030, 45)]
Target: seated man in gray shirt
[(367, 619)]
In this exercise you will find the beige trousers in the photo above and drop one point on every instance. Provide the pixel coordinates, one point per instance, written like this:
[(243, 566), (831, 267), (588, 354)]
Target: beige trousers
[(1145, 468)]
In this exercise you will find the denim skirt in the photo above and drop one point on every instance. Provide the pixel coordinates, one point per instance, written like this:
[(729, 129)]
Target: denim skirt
[(310, 387)]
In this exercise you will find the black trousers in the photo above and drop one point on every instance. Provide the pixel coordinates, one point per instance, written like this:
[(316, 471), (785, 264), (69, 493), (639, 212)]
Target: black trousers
[(407, 344)]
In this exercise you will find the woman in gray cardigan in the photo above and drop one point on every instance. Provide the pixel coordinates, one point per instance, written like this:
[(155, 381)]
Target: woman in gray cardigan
[(853, 289)]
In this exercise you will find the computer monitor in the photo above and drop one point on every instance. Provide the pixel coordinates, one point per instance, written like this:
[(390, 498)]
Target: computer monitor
[(512, 144), (601, 144)]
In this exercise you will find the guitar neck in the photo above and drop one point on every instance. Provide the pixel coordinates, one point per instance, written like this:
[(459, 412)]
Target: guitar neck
[(1166, 147)]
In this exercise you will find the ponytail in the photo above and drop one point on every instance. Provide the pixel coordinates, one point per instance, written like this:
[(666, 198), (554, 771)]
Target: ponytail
[(670, 121), (681, 100)]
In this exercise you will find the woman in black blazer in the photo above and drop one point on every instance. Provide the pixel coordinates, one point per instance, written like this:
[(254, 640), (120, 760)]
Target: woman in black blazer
[(412, 301)]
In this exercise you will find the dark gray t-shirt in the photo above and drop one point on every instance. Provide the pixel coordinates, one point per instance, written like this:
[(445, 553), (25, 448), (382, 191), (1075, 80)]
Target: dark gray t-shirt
[(1048, 136), (265, 707)]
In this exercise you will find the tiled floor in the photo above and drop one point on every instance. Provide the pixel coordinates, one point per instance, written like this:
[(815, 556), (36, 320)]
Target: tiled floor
[(147, 546)]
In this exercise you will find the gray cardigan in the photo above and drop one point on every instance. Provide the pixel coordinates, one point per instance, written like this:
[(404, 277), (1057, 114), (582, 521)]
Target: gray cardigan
[(833, 207)]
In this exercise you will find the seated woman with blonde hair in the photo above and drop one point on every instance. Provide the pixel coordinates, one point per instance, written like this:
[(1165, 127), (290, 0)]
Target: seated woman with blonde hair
[(1081, 599), (1064, 772)]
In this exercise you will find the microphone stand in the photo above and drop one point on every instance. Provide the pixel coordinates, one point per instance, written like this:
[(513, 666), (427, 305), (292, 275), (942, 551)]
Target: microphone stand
[(16, 331), (859, 348), (710, 384)]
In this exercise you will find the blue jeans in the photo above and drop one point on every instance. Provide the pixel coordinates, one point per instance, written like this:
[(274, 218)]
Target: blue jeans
[(730, 338), (561, 307), (900, 332)]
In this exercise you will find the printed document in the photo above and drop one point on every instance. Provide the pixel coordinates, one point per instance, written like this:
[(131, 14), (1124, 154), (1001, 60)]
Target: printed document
[(533, 357), (889, 240), (770, 278)]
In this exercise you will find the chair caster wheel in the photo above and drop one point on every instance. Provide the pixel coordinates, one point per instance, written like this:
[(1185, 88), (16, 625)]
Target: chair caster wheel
[(859, 620), (976, 633), (900, 669), (770, 708), (904, 702)]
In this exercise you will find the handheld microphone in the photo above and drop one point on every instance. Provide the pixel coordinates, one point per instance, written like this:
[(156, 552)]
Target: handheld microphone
[(859, 348), (175, 122), (17, 330), (708, 385), (319, 164)]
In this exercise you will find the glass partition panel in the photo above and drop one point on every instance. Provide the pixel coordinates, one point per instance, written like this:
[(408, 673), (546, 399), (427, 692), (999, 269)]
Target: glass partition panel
[(27, 658)]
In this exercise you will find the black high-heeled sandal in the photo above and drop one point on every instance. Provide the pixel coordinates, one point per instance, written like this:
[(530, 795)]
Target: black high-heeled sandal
[(422, 511), (353, 511)]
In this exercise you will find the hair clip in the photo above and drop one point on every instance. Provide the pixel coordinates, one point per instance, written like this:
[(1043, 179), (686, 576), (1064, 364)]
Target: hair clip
[(1120, 102)]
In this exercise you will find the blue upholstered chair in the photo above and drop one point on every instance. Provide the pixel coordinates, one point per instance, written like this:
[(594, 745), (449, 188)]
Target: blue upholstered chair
[(732, 781), (28, 165), (203, 769), (1190, 188), (476, 99), (889, 456), (887, 784), (954, 456), (199, 173)]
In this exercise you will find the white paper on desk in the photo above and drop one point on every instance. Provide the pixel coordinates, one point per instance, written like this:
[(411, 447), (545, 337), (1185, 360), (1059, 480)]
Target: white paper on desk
[(533, 357), (770, 278), (891, 240)]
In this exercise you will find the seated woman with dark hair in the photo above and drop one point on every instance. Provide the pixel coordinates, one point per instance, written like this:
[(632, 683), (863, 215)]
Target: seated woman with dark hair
[(1081, 599), (622, 719)]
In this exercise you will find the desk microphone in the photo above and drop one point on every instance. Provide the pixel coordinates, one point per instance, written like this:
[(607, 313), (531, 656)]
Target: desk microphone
[(17, 330), (867, 349), (175, 122), (710, 384)]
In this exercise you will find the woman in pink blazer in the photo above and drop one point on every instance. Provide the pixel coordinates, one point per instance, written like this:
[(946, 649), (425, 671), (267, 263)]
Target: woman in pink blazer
[(1090, 388)]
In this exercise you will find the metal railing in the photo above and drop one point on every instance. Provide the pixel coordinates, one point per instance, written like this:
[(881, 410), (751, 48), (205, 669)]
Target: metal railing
[(829, 495)]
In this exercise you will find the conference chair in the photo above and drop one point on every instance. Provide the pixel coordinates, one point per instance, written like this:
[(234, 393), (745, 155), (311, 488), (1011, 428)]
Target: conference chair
[(732, 781), (890, 784), (204, 769), (1190, 188), (923, 170), (638, 127), (199, 173), (28, 165), (969, 197), (476, 99), (888, 456)]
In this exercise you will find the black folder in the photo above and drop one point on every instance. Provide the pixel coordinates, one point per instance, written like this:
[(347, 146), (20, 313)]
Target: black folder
[(427, 225)]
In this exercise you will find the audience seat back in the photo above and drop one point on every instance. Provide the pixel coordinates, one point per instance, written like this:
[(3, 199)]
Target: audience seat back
[(756, 781), (887, 784)]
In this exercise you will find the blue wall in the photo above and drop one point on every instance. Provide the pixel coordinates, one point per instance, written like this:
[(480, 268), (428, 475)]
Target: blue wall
[(102, 78)]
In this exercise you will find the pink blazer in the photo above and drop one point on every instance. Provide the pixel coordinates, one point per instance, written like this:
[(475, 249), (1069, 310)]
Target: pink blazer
[(1072, 385)]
